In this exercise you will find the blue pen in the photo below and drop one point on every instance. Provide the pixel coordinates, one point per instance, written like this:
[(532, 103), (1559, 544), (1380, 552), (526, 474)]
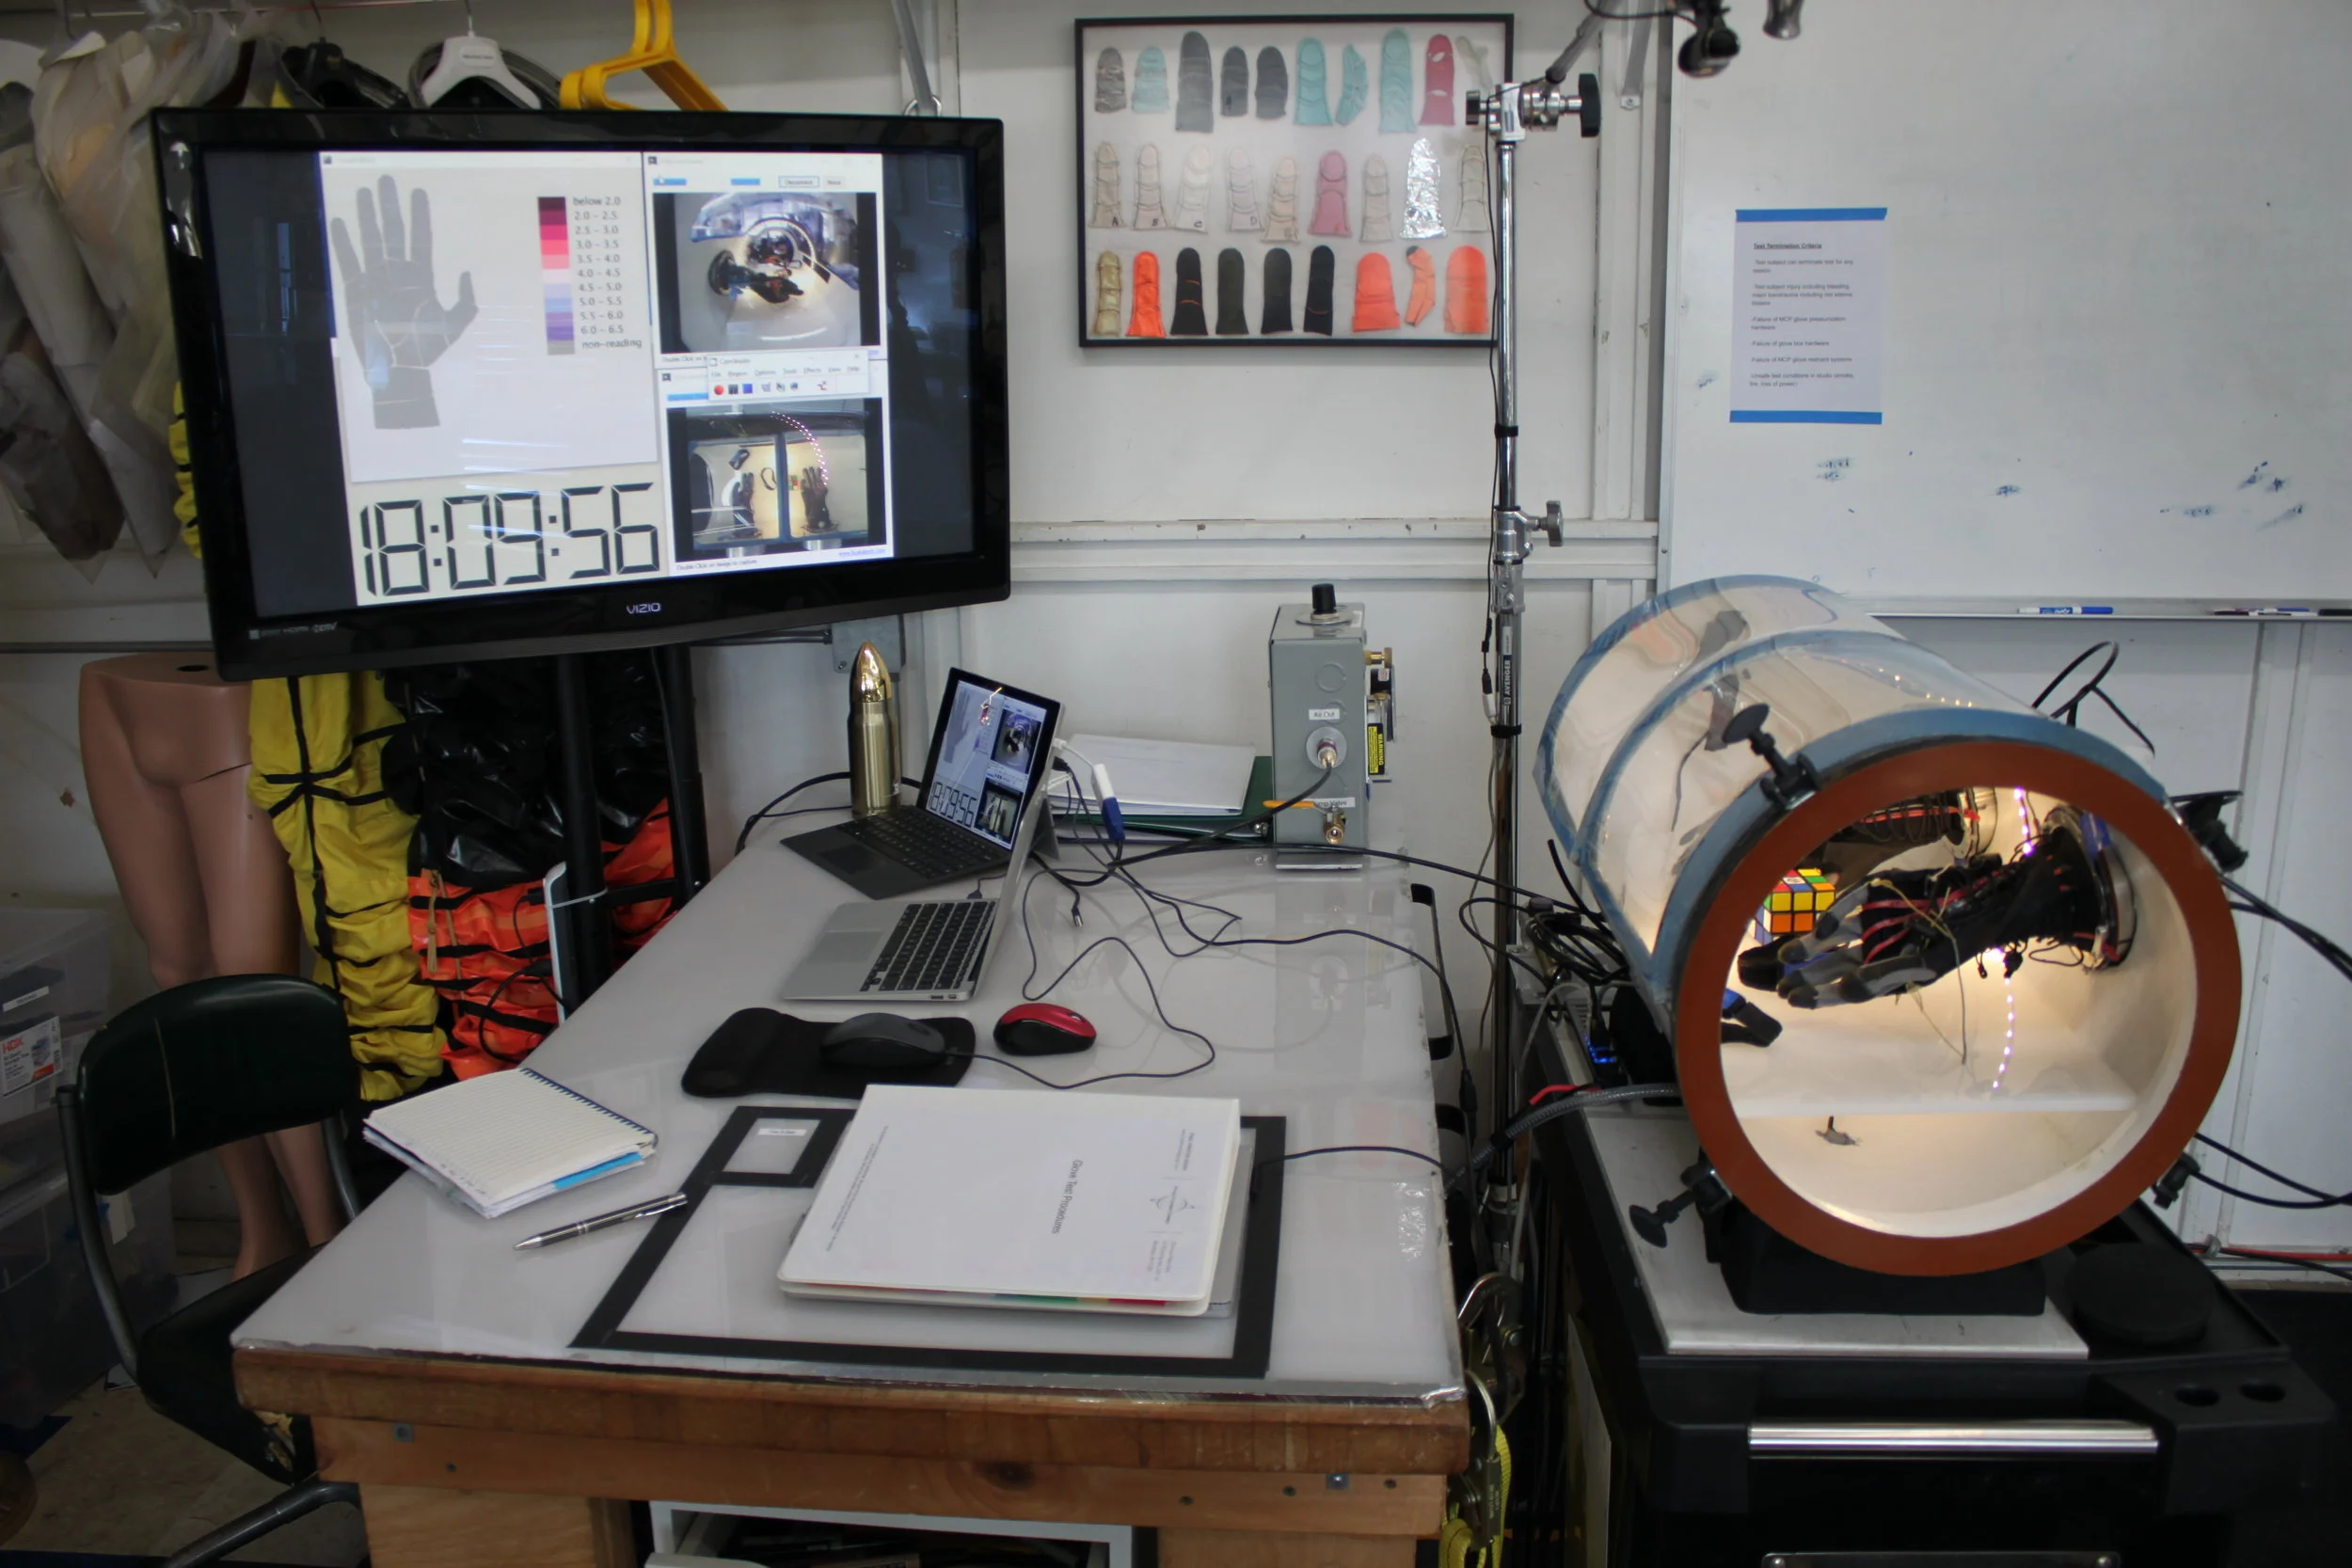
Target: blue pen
[(1114, 820), (2065, 610)]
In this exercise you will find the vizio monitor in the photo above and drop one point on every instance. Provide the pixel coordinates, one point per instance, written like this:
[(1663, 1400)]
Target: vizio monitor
[(466, 386)]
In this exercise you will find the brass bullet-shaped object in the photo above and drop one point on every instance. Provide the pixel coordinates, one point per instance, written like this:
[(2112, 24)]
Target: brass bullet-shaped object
[(873, 735)]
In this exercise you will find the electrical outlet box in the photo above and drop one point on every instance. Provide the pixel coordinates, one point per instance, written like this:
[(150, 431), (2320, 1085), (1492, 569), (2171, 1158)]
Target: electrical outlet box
[(1316, 690)]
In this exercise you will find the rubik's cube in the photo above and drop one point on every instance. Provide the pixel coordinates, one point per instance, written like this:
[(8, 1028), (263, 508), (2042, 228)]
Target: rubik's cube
[(1803, 896)]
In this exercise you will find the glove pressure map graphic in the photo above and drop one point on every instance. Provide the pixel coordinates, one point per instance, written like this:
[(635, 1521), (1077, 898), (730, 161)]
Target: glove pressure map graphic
[(395, 311)]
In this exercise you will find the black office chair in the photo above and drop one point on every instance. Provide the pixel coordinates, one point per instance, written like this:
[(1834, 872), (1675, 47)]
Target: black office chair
[(201, 1066)]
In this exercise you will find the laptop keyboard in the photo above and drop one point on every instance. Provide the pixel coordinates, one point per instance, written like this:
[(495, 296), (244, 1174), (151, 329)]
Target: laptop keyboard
[(933, 947), (928, 846)]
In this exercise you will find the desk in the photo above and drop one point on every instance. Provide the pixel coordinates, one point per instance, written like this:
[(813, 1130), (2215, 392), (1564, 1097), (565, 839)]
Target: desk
[(437, 1368)]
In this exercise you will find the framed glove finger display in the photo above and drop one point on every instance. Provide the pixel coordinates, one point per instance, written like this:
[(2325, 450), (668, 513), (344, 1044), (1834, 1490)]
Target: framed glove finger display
[(1296, 179)]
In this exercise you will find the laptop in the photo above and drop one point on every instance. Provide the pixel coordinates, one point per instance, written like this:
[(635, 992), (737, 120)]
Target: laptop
[(990, 749), (936, 950)]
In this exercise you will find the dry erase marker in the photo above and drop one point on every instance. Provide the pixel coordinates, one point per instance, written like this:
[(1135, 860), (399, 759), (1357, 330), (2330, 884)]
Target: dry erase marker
[(599, 1222)]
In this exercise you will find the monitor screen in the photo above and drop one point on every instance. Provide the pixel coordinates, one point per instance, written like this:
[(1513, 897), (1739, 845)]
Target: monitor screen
[(470, 385)]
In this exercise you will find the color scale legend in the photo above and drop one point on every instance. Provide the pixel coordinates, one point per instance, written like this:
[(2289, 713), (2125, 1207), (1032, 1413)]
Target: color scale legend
[(555, 271)]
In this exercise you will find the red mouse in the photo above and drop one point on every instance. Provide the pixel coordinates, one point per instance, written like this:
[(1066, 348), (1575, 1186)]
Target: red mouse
[(1042, 1029)]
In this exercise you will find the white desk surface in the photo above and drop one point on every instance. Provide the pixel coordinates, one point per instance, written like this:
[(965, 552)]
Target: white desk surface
[(1329, 1035)]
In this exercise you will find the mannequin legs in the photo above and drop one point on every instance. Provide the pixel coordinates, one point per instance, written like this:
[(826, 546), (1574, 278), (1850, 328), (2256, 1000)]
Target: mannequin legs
[(248, 904), (205, 882), (242, 868), (300, 1153), (147, 838), (264, 1234)]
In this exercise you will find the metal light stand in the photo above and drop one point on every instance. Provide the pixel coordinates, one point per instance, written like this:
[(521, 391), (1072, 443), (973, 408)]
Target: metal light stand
[(1507, 114)]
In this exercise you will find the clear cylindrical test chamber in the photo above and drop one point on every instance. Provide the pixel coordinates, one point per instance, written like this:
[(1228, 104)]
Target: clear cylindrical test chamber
[(2005, 976)]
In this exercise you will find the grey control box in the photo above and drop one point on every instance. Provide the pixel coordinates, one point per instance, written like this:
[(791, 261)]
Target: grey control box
[(1316, 689)]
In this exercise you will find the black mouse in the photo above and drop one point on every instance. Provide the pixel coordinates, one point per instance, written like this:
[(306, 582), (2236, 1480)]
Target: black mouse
[(883, 1043)]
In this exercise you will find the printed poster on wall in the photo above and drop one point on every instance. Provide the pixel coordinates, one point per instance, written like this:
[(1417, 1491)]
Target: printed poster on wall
[(1808, 315)]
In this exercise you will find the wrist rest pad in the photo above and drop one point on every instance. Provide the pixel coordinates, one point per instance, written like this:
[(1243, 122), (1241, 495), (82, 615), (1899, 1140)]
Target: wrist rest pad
[(761, 1050)]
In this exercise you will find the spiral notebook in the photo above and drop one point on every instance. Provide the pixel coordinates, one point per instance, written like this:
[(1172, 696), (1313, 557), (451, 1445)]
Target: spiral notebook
[(498, 1142)]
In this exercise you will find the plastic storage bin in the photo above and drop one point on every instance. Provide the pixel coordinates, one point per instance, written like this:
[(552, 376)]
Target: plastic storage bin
[(53, 1340), (53, 998)]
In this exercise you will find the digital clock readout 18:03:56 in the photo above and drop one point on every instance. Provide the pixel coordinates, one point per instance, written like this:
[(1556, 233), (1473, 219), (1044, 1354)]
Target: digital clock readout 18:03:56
[(514, 537)]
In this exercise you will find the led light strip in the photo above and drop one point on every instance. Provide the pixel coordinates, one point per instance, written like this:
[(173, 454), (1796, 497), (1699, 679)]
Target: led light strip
[(823, 472)]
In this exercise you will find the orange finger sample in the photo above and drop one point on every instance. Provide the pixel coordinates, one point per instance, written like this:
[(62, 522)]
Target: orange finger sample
[(1424, 296), (1375, 295), (1143, 320), (1465, 291)]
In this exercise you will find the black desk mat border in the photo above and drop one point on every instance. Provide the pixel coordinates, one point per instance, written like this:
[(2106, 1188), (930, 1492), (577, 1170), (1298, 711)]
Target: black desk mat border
[(1253, 1328)]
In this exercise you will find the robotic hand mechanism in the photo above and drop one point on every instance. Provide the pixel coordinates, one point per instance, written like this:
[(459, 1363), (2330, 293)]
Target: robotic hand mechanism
[(2059, 898)]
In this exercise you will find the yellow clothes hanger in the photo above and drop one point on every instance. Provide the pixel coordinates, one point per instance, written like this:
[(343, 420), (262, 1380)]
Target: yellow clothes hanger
[(652, 51)]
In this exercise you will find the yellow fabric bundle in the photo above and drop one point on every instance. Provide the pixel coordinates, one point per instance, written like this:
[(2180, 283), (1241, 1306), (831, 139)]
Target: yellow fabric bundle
[(184, 507), (318, 750)]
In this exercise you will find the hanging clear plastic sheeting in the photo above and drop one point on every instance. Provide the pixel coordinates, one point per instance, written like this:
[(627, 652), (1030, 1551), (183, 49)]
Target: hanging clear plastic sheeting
[(1996, 957), (51, 339), (107, 321)]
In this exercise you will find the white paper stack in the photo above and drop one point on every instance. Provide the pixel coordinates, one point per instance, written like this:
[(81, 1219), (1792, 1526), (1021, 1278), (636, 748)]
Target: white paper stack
[(1160, 778), (1024, 1199)]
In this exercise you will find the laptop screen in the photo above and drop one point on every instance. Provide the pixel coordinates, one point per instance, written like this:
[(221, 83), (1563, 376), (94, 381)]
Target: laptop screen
[(990, 751)]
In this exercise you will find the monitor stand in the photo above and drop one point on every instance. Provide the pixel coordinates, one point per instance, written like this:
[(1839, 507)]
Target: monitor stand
[(586, 936)]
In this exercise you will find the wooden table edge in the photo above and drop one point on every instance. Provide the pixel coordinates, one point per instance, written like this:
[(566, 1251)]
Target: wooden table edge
[(378, 1453), (1000, 1426)]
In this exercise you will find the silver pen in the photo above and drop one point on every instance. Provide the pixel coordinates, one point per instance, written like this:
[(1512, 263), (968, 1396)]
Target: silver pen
[(598, 1222)]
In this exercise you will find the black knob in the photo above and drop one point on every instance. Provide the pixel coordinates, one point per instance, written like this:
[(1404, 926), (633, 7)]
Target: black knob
[(1326, 599), (1588, 104)]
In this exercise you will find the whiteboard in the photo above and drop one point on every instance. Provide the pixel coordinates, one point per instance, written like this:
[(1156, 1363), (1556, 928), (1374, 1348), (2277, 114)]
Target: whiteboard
[(2119, 302)]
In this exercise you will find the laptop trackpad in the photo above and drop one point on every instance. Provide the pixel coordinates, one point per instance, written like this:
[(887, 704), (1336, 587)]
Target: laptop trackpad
[(843, 947), (848, 857)]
